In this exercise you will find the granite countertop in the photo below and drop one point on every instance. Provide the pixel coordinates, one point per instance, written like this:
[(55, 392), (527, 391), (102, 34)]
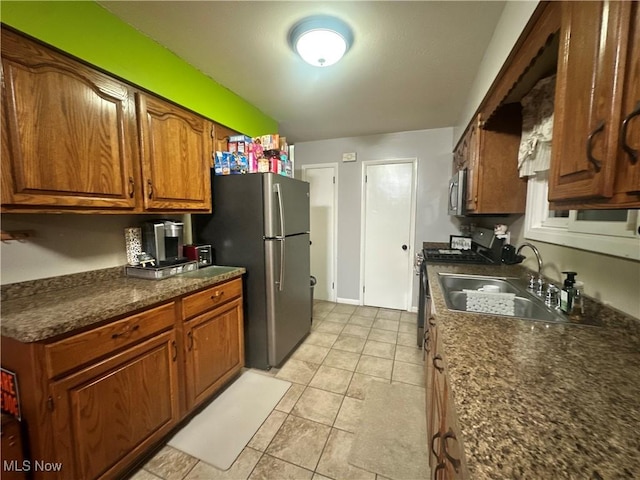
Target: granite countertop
[(538, 400), (41, 309)]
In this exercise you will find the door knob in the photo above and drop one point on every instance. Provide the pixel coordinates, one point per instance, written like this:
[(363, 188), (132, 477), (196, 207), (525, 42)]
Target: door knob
[(404, 247)]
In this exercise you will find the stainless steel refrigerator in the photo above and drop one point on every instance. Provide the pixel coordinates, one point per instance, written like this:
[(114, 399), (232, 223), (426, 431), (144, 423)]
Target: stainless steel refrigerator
[(261, 222)]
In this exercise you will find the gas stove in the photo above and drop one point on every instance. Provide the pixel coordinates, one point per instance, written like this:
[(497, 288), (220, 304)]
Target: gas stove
[(486, 249), (435, 255)]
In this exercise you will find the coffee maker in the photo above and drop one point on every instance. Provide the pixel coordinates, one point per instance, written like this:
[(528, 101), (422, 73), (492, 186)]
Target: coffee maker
[(163, 240)]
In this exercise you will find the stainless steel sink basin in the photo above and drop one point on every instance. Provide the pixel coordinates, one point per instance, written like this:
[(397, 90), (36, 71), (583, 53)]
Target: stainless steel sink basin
[(527, 305), (474, 282)]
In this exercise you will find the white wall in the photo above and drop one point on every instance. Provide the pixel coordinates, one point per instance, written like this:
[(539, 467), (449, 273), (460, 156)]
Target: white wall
[(65, 244), (432, 148), (512, 21)]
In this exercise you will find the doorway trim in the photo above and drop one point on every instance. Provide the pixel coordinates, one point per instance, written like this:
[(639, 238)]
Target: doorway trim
[(334, 220), (412, 223)]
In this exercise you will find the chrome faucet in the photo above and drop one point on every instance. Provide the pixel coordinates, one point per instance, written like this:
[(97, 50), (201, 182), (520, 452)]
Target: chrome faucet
[(534, 283)]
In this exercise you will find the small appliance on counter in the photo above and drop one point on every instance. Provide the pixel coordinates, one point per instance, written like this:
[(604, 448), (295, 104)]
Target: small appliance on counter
[(203, 254), (163, 251), (163, 240)]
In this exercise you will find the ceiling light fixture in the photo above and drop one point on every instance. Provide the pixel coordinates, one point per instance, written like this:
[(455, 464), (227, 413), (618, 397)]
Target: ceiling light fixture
[(321, 40)]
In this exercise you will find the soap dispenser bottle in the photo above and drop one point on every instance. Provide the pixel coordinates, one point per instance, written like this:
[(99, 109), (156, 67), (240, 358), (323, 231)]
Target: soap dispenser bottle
[(568, 292)]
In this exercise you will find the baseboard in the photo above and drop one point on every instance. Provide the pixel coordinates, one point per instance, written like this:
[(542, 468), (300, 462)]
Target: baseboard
[(348, 301)]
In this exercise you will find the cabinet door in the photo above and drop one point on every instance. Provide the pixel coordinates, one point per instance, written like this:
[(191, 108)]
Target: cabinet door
[(627, 185), (176, 156), (587, 102), (221, 136), (108, 413), (68, 132), (214, 346)]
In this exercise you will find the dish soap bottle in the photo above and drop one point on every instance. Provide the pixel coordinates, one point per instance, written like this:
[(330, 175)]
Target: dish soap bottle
[(568, 292), (577, 304)]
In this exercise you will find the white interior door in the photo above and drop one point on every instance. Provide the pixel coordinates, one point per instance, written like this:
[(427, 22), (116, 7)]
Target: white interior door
[(322, 192), (389, 194)]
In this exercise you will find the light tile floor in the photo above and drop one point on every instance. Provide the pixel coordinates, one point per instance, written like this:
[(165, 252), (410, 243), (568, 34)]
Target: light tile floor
[(309, 433)]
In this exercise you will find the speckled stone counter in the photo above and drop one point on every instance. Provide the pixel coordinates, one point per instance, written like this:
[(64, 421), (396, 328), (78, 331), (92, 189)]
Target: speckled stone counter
[(541, 401), (46, 308)]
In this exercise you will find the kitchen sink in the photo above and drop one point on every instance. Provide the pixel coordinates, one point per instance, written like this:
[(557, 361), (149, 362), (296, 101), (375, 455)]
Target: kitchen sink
[(475, 282), (526, 304)]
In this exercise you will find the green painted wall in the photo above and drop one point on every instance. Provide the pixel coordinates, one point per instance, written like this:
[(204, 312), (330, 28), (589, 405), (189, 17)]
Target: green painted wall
[(88, 31)]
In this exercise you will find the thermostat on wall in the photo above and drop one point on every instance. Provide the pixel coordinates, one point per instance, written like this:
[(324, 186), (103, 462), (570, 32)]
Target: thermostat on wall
[(349, 157)]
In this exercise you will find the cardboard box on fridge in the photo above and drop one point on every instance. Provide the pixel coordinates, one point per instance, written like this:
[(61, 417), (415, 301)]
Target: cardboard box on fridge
[(222, 163), (238, 164), (270, 142)]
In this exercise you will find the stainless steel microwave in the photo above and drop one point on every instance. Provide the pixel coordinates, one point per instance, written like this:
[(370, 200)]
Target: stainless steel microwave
[(457, 189)]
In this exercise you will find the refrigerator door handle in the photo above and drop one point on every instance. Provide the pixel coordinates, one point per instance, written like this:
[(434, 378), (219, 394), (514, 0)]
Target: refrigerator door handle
[(280, 282), (278, 192)]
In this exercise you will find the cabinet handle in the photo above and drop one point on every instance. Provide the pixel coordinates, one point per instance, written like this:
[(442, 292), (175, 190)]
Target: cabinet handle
[(150, 185), (633, 153), (175, 350), (435, 359), (131, 187), (126, 332), (426, 338), (217, 294), (190, 337), (439, 467), (597, 164), (454, 461), (433, 444)]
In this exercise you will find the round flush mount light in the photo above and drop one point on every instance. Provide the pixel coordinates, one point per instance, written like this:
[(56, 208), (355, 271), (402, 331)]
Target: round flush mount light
[(321, 40)]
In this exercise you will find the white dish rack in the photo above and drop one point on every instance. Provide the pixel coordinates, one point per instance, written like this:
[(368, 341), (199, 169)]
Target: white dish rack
[(498, 303)]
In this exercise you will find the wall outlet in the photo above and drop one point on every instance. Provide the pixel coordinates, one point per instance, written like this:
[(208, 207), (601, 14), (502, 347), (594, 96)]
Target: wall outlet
[(349, 157)]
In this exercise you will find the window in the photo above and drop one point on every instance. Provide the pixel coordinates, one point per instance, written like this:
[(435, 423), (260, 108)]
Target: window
[(613, 232)]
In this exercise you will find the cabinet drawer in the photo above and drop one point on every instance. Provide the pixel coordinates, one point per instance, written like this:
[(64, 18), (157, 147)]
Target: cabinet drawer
[(72, 352), (211, 297)]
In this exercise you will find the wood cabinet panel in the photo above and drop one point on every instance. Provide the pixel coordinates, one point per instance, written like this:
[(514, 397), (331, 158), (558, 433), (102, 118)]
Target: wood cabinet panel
[(446, 452), (214, 346), (596, 95), (72, 352), (490, 155), (69, 134), (110, 411), (176, 150), (12, 449), (200, 302), (627, 182)]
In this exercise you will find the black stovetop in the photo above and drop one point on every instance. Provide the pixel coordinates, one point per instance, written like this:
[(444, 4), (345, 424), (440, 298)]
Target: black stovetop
[(439, 255)]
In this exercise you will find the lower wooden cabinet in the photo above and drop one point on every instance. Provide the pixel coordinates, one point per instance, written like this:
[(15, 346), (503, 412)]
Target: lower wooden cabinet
[(108, 413), (214, 346), (446, 453), (95, 401), (12, 450)]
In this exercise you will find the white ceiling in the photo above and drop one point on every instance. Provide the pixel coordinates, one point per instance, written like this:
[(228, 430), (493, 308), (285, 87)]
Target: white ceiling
[(410, 67)]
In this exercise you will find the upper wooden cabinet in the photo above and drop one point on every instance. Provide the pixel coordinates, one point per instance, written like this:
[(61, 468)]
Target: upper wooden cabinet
[(68, 132), (221, 135), (596, 126), (74, 140), (176, 147), (490, 157)]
